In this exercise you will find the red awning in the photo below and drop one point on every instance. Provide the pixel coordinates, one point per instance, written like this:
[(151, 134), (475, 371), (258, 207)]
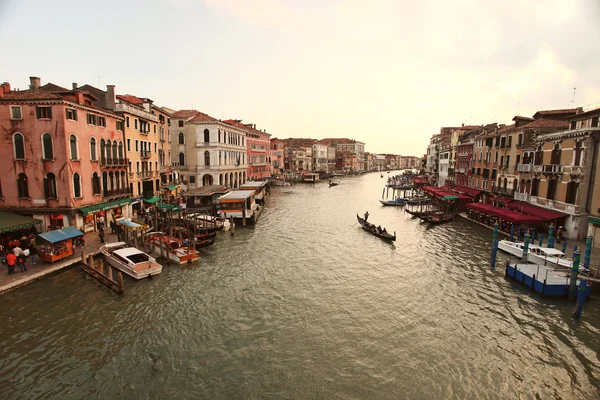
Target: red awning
[(503, 213), (441, 193), (466, 190), (530, 209)]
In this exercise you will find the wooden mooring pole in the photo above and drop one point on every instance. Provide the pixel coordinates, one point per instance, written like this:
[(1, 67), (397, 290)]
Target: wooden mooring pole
[(89, 266)]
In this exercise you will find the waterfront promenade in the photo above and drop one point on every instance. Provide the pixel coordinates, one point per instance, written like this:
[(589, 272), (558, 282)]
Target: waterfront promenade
[(41, 269)]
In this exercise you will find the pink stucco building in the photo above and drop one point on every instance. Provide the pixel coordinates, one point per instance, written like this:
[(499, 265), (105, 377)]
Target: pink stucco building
[(257, 143), (51, 155)]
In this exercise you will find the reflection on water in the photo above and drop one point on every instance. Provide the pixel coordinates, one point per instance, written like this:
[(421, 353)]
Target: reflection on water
[(305, 305)]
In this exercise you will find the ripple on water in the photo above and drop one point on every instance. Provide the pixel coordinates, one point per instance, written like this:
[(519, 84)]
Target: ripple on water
[(305, 305)]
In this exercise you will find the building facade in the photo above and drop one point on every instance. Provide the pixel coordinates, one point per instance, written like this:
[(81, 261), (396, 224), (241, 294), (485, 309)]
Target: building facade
[(51, 155), (208, 151)]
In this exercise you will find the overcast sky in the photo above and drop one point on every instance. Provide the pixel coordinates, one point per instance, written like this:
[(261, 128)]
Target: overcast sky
[(389, 73)]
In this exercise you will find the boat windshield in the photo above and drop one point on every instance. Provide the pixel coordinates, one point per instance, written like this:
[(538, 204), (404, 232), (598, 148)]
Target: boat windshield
[(138, 258)]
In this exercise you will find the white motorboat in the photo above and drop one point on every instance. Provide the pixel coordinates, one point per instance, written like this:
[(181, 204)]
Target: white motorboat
[(537, 254), (130, 260)]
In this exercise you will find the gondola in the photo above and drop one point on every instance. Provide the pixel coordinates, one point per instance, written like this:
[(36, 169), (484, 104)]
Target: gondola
[(206, 235), (372, 229), (204, 243), (417, 213), (333, 184), (439, 218), (395, 203)]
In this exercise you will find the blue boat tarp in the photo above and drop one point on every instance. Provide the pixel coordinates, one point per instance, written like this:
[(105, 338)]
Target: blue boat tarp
[(61, 234)]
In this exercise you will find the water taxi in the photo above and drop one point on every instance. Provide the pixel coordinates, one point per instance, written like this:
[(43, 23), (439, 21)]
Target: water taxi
[(537, 254), (130, 260)]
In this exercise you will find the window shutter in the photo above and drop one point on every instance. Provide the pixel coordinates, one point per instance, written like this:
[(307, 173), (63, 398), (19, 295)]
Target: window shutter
[(38, 113)]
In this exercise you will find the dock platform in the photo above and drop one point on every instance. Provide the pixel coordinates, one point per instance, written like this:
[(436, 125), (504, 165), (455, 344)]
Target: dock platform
[(543, 280)]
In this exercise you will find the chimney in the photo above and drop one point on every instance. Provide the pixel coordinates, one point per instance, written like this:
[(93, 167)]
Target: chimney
[(110, 98), (34, 83), (74, 85), (4, 89)]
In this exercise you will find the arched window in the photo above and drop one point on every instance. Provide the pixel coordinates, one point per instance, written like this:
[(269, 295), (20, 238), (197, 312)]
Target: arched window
[(206, 136), (219, 136), (19, 146), (577, 154), (93, 149), (95, 183), (181, 138), (572, 188), (120, 150), (551, 193), (556, 153), (47, 151), (114, 149), (76, 185), (206, 158), (102, 147), (50, 186), (22, 186), (108, 149), (181, 159), (535, 186), (73, 146), (105, 183)]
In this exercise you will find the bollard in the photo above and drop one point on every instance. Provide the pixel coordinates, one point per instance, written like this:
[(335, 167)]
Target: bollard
[(564, 247), (588, 252), (541, 239), (525, 248), (551, 236), (580, 298), (574, 273), (518, 232), (533, 237), (575, 248), (512, 232)]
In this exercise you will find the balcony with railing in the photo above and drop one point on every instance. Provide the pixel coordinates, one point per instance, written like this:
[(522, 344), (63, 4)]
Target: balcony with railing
[(258, 149), (572, 209), (206, 144), (525, 167), (116, 192), (145, 174), (552, 168), (113, 161), (502, 190), (145, 154), (521, 196)]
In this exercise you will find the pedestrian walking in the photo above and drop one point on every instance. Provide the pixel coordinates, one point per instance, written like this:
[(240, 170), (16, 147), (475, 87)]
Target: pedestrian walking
[(101, 234), (11, 261), (21, 262), (113, 227)]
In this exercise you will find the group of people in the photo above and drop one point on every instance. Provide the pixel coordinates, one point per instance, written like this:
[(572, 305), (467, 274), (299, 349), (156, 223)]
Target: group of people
[(17, 253), (372, 227)]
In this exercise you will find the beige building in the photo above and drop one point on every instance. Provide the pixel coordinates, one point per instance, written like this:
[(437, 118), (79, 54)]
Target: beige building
[(208, 151)]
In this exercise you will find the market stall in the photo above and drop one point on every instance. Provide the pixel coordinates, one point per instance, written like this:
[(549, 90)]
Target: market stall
[(58, 244)]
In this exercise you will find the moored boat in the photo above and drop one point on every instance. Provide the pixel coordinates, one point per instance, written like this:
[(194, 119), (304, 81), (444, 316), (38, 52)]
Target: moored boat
[(130, 260), (398, 202), (537, 254), (438, 218), (372, 229), (177, 250)]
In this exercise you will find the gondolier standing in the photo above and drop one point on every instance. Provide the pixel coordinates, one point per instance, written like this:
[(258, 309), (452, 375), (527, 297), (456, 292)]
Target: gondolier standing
[(366, 216)]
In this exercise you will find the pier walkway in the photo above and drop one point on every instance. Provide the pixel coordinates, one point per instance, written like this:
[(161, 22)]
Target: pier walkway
[(41, 269)]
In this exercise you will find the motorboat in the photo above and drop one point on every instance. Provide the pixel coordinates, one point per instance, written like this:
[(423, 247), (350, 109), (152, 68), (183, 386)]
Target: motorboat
[(177, 250), (130, 260), (210, 222), (537, 254)]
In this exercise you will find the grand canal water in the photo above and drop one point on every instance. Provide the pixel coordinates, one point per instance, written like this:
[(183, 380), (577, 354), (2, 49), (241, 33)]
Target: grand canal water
[(305, 305)]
